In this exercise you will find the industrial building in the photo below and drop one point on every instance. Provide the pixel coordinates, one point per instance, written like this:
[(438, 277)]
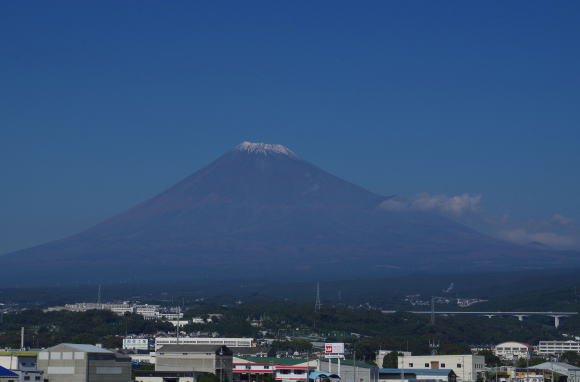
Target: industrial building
[(18, 360), (216, 359), (555, 370), (467, 367), (83, 363), (511, 351)]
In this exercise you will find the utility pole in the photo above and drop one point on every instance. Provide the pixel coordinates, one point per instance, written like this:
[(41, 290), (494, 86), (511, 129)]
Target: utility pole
[(99, 298), (177, 326), (221, 364), (402, 366), (354, 362)]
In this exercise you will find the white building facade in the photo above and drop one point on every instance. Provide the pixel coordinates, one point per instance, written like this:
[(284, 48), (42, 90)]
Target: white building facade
[(557, 347), (467, 367), (511, 351), (136, 343), (230, 342)]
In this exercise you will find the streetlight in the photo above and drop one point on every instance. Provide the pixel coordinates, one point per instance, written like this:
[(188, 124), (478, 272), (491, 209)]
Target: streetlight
[(221, 363)]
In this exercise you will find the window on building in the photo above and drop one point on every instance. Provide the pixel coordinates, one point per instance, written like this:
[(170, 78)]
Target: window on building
[(27, 377), (410, 364), (248, 367), (459, 366), (266, 367), (426, 365), (442, 365), (37, 378)]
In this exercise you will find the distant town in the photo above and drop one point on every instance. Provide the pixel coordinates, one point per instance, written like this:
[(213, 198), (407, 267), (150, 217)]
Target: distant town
[(285, 342)]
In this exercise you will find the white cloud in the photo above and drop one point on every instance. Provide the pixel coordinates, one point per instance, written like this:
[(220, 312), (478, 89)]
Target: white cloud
[(522, 236), (453, 205), (561, 219), (557, 231)]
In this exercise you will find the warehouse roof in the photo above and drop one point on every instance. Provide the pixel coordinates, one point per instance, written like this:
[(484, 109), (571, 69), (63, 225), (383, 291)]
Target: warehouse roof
[(85, 348), (194, 349), (280, 361), (20, 353), (555, 366)]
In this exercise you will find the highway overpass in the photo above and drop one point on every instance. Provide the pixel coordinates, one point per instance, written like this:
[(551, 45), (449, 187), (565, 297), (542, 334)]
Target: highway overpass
[(519, 315)]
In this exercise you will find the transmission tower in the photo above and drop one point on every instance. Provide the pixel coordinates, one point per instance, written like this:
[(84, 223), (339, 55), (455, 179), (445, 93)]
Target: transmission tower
[(434, 346), (317, 304)]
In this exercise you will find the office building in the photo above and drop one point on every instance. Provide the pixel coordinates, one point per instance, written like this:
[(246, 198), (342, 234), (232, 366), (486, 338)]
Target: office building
[(557, 347)]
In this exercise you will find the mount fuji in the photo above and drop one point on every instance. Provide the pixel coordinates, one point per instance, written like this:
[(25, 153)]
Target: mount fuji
[(261, 211)]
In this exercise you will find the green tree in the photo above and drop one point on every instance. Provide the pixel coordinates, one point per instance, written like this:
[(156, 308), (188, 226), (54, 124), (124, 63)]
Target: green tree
[(570, 357), (391, 360), (490, 358)]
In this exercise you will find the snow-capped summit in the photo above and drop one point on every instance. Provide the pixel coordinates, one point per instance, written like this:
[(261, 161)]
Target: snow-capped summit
[(265, 148)]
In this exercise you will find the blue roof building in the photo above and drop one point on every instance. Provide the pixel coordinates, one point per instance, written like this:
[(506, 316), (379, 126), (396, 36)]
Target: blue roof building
[(7, 375)]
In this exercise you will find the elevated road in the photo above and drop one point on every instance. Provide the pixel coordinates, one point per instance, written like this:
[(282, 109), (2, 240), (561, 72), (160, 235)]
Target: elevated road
[(519, 315)]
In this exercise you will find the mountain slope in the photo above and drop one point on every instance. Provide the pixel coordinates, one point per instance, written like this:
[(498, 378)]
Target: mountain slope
[(257, 211)]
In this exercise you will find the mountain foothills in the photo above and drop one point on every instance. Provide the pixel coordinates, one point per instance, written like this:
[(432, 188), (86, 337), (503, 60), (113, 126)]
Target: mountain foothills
[(261, 211)]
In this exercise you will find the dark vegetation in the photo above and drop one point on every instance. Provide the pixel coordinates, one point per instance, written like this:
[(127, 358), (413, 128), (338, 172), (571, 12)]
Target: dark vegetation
[(50, 328), (368, 330)]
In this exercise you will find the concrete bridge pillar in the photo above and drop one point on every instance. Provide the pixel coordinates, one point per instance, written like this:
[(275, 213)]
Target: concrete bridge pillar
[(557, 321), (520, 316)]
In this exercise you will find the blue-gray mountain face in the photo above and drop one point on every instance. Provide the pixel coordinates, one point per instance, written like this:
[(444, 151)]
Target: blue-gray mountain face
[(260, 211)]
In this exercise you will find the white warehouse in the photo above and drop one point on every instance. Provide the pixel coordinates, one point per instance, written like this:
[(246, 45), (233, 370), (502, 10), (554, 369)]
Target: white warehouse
[(467, 367)]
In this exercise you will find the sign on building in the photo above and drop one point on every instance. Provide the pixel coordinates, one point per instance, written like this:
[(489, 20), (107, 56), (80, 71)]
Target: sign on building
[(334, 348)]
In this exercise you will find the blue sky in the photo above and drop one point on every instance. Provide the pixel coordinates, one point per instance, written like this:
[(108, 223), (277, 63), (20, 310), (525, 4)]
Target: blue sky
[(105, 104)]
